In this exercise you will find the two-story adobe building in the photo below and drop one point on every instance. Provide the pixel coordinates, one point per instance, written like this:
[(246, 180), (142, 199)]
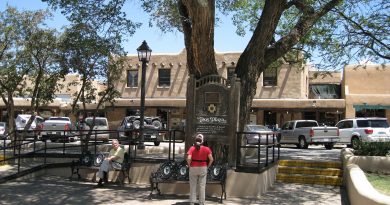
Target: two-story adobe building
[(282, 93), (288, 92)]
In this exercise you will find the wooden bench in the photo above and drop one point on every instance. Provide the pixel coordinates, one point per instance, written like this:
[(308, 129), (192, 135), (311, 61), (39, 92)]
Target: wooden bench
[(177, 173), (87, 161)]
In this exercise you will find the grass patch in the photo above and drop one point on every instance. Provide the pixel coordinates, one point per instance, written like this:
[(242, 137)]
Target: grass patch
[(381, 182)]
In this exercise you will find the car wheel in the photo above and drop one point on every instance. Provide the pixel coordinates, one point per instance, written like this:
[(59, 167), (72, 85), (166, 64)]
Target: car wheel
[(355, 142), (156, 143), (157, 124), (328, 146), (302, 144), (137, 124)]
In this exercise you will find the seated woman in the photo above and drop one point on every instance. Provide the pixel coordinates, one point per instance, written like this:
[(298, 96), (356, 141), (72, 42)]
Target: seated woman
[(114, 160)]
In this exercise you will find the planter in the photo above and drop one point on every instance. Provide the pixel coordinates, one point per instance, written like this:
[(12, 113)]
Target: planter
[(360, 190)]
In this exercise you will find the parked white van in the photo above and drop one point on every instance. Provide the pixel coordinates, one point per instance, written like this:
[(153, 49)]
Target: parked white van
[(34, 130)]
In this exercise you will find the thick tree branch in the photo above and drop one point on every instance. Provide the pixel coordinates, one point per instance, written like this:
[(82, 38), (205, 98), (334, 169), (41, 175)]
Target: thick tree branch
[(302, 27), (187, 30), (302, 6), (250, 63)]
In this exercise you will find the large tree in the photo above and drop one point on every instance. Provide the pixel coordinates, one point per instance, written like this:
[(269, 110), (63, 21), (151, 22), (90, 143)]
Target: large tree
[(27, 60), (338, 31), (91, 42), (92, 47)]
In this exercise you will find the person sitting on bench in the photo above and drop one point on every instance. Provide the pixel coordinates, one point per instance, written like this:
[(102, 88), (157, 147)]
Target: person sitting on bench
[(113, 161)]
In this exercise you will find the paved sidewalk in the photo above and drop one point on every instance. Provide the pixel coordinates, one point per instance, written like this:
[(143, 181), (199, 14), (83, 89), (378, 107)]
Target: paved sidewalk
[(55, 190)]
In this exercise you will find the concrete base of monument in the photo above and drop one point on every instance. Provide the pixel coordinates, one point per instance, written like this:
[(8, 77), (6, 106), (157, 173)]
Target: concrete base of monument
[(251, 185)]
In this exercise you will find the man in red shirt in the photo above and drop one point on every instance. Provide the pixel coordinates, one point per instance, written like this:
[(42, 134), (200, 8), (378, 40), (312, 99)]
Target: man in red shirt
[(199, 157)]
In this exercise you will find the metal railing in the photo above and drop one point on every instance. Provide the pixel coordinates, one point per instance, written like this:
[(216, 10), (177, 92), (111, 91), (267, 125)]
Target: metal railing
[(15, 151), (61, 146), (264, 146)]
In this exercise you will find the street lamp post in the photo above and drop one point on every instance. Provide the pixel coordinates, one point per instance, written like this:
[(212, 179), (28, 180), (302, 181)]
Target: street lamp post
[(144, 53)]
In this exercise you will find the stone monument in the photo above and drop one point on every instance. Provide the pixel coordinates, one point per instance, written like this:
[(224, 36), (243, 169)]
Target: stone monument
[(212, 110)]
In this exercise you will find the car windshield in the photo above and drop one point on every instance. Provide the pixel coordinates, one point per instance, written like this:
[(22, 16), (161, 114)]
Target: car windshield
[(373, 123), (258, 128), (98, 122), (59, 118)]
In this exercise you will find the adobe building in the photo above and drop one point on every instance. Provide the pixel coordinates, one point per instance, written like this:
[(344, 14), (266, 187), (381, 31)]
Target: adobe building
[(288, 92), (282, 93), (61, 105), (366, 90)]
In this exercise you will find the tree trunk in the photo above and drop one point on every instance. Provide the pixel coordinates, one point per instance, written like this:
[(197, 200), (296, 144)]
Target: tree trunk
[(11, 119), (198, 20), (251, 62)]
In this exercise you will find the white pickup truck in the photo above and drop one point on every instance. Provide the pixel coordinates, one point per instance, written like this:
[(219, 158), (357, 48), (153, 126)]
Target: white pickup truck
[(57, 129), (305, 132)]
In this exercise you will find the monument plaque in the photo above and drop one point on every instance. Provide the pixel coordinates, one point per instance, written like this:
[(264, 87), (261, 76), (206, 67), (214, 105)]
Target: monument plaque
[(213, 112), (212, 97), (212, 126)]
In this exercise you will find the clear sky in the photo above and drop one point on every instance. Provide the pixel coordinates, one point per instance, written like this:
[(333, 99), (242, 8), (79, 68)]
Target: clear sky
[(225, 37)]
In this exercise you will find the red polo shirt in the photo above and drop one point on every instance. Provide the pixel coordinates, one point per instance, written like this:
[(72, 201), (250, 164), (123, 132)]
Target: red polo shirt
[(200, 154)]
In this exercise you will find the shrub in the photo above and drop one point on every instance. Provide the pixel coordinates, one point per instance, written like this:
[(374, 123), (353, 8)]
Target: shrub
[(373, 149)]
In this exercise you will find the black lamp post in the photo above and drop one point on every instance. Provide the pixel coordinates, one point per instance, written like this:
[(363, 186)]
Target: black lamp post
[(144, 53)]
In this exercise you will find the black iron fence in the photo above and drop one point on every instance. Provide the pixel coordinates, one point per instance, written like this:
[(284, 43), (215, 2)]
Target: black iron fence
[(26, 153), (256, 151)]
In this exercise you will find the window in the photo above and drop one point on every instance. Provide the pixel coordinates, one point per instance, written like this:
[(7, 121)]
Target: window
[(288, 125), (371, 113), (270, 76), (164, 77), (230, 72), (132, 78), (269, 117), (372, 123), (345, 124), (309, 116), (324, 91), (64, 97), (306, 124)]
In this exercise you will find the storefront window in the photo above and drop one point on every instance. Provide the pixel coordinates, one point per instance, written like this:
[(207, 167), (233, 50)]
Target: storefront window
[(371, 113)]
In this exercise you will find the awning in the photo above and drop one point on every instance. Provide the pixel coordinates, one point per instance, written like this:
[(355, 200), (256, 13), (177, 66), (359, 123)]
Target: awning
[(298, 103), (151, 102)]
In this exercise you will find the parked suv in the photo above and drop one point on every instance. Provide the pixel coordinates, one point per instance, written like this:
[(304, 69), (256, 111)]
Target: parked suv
[(370, 129), (130, 127)]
